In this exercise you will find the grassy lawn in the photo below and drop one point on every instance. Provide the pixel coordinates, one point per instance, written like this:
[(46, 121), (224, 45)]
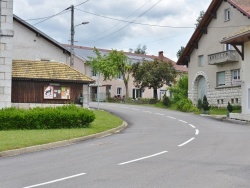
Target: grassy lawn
[(14, 139)]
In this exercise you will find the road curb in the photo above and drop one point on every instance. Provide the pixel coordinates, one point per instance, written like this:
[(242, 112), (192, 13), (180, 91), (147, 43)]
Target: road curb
[(61, 143)]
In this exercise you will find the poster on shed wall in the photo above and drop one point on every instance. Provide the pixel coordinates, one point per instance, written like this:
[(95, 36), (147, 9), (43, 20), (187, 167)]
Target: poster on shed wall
[(56, 92)]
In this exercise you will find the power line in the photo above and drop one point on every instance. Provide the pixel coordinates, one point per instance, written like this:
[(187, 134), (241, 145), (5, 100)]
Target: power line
[(128, 23), (118, 20), (48, 17), (132, 22)]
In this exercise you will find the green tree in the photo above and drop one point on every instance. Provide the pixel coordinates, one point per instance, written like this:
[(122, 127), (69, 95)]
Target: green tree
[(153, 74), (111, 65), (180, 51), (202, 13), (139, 50), (180, 90)]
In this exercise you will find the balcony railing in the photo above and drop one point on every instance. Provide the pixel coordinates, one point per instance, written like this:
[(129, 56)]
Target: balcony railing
[(223, 57)]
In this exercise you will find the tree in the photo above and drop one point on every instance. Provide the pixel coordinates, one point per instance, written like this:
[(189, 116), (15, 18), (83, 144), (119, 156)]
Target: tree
[(111, 65), (139, 50), (180, 90), (180, 51), (202, 13), (153, 74)]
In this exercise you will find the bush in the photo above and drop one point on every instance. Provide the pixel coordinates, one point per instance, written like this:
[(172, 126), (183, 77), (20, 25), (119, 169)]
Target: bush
[(229, 107), (69, 116), (186, 105), (205, 104), (199, 105), (166, 101)]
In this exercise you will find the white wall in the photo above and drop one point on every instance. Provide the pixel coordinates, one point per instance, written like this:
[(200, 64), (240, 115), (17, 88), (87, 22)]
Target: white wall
[(210, 44), (28, 46)]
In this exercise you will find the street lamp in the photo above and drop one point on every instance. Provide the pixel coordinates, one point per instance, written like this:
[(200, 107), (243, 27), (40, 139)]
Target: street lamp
[(72, 42)]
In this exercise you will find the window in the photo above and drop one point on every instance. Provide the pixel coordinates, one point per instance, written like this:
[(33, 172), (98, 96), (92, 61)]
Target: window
[(228, 47), (93, 72), (119, 91), (119, 76), (235, 74), (220, 78), (201, 61), (137, 93), (227, 14)]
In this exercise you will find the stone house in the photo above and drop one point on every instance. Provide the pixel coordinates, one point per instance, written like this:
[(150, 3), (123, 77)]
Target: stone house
[(217, 55), (116, 86), (29, 43)]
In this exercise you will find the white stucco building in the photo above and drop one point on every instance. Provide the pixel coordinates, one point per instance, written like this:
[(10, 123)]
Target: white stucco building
[(218, 55)]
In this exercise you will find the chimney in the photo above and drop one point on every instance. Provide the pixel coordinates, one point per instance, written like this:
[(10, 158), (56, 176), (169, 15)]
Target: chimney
[(161, 55)]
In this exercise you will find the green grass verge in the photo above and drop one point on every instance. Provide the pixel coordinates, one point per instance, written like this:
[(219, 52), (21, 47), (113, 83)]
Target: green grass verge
[(15, 139)]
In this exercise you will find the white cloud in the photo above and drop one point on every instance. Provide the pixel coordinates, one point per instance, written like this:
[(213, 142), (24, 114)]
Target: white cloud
[(110, 34)]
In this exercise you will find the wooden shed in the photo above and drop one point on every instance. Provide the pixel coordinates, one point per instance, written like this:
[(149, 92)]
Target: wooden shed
[(47, 82)]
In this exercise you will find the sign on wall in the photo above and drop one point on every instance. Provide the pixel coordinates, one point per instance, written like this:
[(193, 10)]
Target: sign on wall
[(56, 92)]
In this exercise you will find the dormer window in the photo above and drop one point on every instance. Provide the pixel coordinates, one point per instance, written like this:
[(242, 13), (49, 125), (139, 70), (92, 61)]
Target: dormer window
[(227, 15)]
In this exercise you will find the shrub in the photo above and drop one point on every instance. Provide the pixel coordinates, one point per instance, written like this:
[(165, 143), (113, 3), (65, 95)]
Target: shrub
[(229, 107), (185, 105), (199, 104), (166, 101), (69, 116), (205, 104)]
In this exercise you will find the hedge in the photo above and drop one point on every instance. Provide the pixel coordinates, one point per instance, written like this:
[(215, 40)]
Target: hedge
[(69, 116)]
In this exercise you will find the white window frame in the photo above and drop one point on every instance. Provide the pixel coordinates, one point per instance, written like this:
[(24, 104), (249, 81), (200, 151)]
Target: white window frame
[(235, 74), (201, 60), (227, 14), (119, 91), (119, 76), (93, 72), (220, 78)]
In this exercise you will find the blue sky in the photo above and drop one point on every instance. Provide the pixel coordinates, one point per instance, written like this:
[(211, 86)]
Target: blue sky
[(161, 25)]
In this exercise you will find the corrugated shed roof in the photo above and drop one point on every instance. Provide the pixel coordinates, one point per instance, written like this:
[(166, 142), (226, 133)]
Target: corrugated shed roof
[(47, 70)]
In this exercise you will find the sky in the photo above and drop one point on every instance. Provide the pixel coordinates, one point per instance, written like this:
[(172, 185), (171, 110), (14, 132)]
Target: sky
[(160, 25)]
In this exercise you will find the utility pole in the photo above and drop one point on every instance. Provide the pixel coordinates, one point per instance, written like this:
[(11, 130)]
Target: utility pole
[(72, 37)]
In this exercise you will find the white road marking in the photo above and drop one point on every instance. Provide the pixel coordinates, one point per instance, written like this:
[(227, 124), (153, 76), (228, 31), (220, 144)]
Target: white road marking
[(57, 180), (147, 111), (196, 131), (186, 142), (124, 107), (143, 158), (159, 114), (182, 121), (171, 117), (134, 109), (191, 126)]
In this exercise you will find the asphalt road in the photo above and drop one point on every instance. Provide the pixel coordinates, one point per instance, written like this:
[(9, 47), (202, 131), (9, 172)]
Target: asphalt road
[(159, 148)]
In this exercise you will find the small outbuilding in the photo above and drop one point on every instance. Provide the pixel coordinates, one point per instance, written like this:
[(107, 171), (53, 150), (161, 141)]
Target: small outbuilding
[(46, 83)]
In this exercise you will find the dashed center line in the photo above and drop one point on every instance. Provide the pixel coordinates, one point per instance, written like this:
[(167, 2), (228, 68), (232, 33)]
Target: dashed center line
[(134, 109), (186, 142), (147, 111), (57, 180), (191, 126), (143, 158), (171, 117), (159, 114), (196, 131), (182, 121)]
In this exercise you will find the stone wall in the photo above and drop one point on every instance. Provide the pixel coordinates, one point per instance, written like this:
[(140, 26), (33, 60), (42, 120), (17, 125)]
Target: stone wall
[(6, 37), (219, 96)]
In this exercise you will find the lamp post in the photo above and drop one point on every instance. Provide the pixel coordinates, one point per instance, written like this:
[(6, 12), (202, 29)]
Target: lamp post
[(72, 41)]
